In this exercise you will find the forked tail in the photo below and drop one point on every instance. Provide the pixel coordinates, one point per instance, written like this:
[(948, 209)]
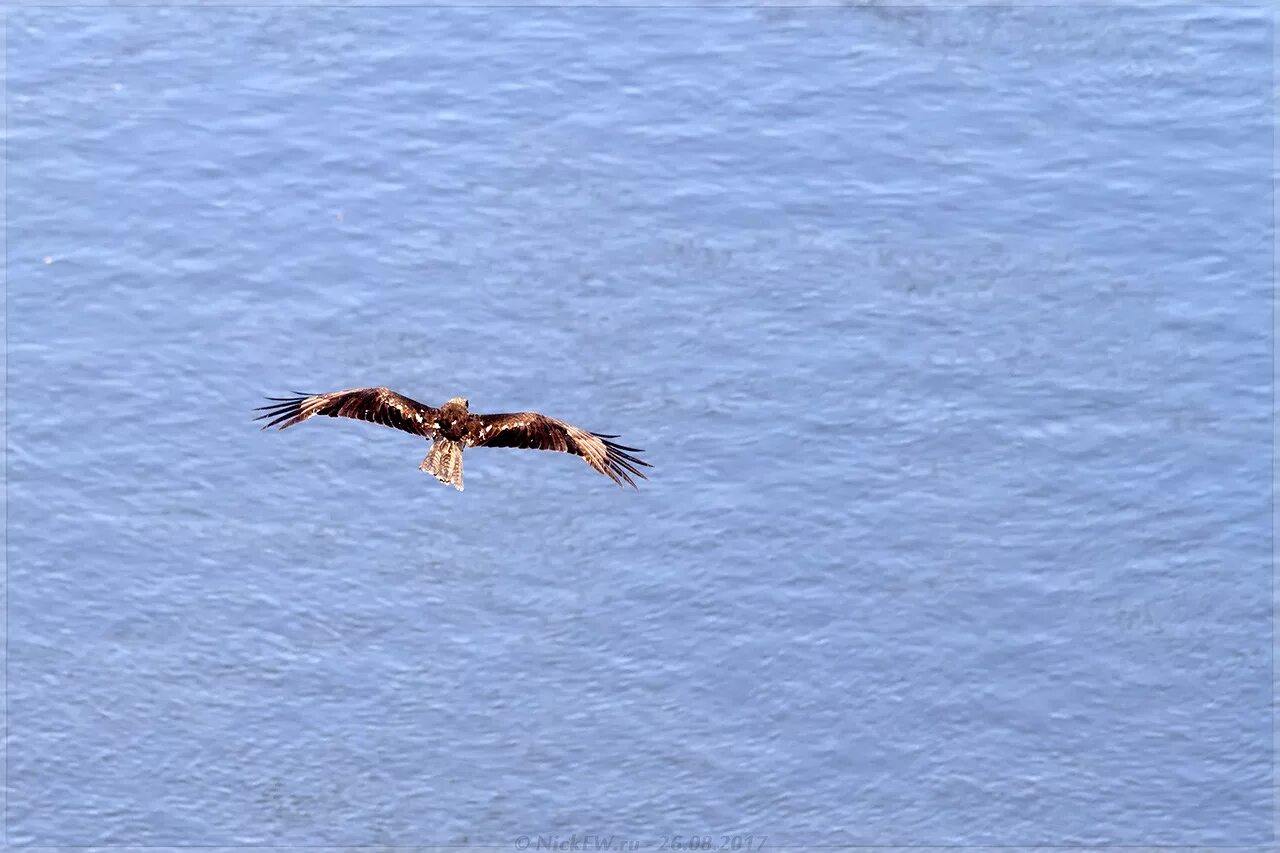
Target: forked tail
[(445, 462)]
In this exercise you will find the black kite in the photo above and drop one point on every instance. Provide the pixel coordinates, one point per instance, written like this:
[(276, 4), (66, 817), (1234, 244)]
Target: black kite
[(452, 429)]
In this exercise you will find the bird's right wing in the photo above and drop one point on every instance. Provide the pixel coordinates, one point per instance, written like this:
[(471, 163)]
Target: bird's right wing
[(376, 405), (539, 432)]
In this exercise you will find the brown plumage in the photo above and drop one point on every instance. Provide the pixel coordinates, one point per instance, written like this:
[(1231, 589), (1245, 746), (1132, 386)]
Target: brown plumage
[(453, 428)]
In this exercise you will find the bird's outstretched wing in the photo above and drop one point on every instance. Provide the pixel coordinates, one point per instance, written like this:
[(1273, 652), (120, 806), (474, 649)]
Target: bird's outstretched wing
[(539, 432), (376, 405)]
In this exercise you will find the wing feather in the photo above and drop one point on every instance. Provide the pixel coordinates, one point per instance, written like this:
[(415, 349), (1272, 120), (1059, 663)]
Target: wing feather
[(376, 405), (539, 432)]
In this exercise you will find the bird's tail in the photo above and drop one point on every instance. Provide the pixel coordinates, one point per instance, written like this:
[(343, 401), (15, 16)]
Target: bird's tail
[(445, 462)]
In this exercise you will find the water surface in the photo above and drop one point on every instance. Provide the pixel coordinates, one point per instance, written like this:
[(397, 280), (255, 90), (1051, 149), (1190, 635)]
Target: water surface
[(949, 333)]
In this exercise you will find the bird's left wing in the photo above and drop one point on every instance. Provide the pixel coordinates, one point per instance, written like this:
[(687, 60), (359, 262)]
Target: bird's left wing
[(376, 405), (539, 432)]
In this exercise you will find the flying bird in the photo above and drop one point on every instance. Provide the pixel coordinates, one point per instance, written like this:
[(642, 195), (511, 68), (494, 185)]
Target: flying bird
[(452, 429)]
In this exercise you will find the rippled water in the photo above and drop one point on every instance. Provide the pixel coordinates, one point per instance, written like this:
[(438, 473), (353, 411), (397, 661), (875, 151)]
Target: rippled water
[(949, 333)]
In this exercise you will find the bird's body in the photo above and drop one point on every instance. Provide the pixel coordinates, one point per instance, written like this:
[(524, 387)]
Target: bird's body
[(455, 420), (453, 427)]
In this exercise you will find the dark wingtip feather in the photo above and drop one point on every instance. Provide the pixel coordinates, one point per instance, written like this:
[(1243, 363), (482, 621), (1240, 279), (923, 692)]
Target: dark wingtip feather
[(606, 440), (620, 464), (620, 450), (281, 409)]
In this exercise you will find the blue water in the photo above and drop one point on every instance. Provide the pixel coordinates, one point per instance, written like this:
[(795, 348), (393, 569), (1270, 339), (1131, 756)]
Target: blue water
[(948, 332)]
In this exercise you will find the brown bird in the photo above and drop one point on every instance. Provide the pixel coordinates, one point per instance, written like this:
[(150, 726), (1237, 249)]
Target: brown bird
[(452, 429)]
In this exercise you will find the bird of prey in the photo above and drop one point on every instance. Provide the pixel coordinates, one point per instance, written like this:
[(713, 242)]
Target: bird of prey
[(452, 429)]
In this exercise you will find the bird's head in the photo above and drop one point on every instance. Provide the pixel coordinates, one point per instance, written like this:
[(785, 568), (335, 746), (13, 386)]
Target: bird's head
[(457, 403)]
